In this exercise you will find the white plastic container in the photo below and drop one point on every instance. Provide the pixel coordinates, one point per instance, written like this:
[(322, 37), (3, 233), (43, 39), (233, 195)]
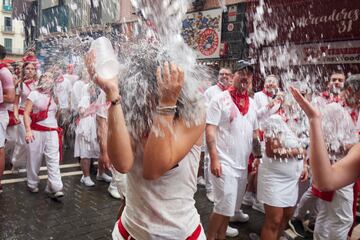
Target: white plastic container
[(106, 63)]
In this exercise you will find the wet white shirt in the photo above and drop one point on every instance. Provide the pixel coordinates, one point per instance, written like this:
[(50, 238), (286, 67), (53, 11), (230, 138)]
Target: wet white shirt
[(63, 92), (234, 132), (40, 103)]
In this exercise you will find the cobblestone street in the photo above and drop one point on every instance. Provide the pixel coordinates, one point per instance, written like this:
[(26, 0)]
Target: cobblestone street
[(84, 213)]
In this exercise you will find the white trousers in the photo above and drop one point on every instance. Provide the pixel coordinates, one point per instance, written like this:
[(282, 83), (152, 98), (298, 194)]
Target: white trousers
[(335, 218), (46, 144), (207, 171), (21, 149), (4, 120), (308, 202)]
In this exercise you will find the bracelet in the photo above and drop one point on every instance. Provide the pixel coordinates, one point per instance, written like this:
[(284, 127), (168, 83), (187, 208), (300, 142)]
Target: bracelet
[(166, 110), (114, 102)]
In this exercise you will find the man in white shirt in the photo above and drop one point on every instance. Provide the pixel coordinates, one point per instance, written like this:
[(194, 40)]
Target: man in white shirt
[(224, 81), (230, 130)]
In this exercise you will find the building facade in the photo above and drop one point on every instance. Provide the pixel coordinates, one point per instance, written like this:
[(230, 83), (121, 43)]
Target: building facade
[(12, 31)]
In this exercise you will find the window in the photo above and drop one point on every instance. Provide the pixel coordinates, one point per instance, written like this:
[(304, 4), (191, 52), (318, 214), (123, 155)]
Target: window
[(8, 44), (8, 24), (7, 5)]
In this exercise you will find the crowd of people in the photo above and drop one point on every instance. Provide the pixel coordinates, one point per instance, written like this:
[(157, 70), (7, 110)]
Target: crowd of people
[(257, 147)]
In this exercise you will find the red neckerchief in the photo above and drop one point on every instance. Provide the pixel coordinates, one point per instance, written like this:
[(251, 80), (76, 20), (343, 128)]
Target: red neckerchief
[(221, 86), (241, 101), (354, 116), (331, 98), (28, 82), (281, 112), (2, 65), (267, 93)]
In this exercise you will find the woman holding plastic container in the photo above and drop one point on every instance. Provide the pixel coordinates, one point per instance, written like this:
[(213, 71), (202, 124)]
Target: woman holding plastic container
[(159, 151), (282, 168), (43, 136), (28, 83)]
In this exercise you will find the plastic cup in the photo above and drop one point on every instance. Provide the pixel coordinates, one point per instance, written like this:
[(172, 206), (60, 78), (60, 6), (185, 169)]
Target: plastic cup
[(106, 63)]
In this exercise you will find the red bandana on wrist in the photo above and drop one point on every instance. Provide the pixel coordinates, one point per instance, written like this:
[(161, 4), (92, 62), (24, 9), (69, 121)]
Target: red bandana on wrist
[(241, 100), (267, 93), (221, 86)]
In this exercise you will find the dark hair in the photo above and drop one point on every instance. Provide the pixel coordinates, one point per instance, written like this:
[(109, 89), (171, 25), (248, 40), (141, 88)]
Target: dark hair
[(337, 70), (2, 52)]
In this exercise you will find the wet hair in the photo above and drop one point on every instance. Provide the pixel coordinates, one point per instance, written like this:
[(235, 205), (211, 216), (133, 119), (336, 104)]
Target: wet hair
[(2, 52), (353, 82), (227, 68), (139, 90)]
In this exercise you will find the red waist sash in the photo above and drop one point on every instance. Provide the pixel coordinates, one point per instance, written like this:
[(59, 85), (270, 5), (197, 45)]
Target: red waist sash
[(37, 127), (125, 234)]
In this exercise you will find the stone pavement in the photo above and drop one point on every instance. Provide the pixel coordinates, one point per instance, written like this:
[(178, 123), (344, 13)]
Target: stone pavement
[(84, 213)]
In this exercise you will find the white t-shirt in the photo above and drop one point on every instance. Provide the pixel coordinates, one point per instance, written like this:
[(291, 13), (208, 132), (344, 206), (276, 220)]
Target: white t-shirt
[(234, 133), (23, 90), (211, 92), (71, 77), (76, 94), (40, 103), (7, 82), (63, 92)]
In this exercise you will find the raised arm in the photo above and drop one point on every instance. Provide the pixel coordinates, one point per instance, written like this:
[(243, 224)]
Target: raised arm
[(327, 177), (170, 139), (118, 139)]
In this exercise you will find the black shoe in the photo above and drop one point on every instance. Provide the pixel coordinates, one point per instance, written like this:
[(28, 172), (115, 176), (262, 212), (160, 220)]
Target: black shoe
[(297, 227), (310, 227), (1, 188)]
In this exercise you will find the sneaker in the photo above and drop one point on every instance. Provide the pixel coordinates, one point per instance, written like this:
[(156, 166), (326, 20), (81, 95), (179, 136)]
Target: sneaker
[(210, 196), (114, 192), (258, 206), (103, 177), (248, 199), (56, 195), (297, 227), (201, 181), (310, 227), (231, 232), (87, 181), (240, 216), (33, 189)]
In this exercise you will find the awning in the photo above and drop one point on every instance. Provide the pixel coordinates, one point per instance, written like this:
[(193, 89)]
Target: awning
[(20, 8)]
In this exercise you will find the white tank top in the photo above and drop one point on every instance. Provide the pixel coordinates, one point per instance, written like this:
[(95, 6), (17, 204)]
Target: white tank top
[(162, 208)]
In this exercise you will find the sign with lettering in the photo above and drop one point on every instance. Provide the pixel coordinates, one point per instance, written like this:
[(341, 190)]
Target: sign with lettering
[(342, 52), (202, 32), (306, 21)]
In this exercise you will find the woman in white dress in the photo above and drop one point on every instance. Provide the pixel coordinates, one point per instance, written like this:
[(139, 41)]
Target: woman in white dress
[(86, 141), (158, 147), (279, 173)]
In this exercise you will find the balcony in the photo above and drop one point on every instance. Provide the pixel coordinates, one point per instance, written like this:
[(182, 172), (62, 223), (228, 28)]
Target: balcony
[(8, 30), (7, 8)]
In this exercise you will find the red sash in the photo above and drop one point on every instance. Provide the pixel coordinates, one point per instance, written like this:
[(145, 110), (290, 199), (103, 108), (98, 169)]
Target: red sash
[(326, 196), (37, 127), (238, 98), (125, 234), (40, 116), (12, 120), (21, 111)]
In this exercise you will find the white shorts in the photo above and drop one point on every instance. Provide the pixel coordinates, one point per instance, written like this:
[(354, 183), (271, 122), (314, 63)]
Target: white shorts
[(228, 193), (4, 121)]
